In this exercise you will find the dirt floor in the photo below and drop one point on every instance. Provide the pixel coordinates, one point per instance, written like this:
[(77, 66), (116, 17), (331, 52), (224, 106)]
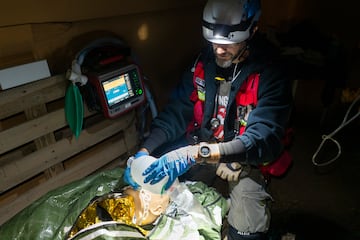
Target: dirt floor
[(313, 202)]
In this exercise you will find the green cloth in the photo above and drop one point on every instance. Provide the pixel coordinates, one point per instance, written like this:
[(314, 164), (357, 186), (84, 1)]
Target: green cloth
[(52, 216)]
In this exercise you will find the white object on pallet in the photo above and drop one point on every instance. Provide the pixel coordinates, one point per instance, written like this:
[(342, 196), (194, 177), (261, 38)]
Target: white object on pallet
[(22, 74)]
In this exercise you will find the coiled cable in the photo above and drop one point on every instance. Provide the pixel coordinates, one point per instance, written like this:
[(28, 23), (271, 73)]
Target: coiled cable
[(329, 137)]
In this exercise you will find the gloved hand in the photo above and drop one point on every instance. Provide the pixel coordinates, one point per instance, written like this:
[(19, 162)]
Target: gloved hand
[(172, 164), (229, 171), (177, 162), (127, 175)]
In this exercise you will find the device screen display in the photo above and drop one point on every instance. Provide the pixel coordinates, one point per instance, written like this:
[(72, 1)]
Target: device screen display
[(118, 89)]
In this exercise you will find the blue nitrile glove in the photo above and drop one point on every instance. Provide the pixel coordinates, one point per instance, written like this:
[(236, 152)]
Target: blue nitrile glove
[(172, 164), (127, 176)]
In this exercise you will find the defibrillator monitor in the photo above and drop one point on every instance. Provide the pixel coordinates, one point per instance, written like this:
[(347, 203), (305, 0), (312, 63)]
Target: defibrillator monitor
[(119, 90)]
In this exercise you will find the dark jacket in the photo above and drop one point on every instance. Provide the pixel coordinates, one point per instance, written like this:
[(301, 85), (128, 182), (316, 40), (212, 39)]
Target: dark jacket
[(261, 141)]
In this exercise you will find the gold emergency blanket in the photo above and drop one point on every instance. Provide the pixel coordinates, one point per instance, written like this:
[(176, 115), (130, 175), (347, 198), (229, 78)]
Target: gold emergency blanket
[(117, 207)]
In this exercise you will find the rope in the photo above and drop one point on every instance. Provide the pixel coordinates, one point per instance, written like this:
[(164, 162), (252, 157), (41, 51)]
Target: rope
[(330, 136)]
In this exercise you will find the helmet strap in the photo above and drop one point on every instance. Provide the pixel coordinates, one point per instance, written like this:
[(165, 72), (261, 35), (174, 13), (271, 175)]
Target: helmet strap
[(241, 52)]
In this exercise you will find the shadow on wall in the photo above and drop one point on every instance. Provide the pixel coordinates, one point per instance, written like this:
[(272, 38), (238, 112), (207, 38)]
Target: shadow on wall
[(78, 43)]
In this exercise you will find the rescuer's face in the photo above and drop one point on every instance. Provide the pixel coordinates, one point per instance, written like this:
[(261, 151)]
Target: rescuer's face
[(225, 54)]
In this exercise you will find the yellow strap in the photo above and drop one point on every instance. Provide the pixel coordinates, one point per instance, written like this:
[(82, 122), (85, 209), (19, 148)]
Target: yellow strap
[(219, 78)]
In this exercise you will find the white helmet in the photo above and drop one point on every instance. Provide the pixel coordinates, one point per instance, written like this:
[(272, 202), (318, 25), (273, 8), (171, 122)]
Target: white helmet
[(229, 21)]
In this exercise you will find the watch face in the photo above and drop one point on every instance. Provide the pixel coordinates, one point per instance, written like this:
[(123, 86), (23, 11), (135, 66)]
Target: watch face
[(204, 151)]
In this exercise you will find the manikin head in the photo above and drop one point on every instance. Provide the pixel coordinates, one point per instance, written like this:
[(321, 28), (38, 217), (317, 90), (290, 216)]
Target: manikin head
[(135, 207), (148, 206), (228, 25), (150, 200)]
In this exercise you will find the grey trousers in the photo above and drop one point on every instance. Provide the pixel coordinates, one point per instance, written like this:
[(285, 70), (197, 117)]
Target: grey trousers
[(249, 209)]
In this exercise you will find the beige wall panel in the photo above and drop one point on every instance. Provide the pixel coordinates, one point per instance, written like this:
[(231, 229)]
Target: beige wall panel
[(18, 12), (16, 45)]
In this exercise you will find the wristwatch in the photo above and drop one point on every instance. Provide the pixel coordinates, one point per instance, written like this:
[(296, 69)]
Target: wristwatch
[(204, 151), (208, 153)]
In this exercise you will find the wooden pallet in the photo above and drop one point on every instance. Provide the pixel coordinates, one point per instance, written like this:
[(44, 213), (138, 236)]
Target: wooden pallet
[(38, 152)]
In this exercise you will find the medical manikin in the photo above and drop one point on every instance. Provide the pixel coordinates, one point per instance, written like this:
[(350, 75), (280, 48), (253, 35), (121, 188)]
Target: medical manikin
[(151, 211), (103, 206)]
